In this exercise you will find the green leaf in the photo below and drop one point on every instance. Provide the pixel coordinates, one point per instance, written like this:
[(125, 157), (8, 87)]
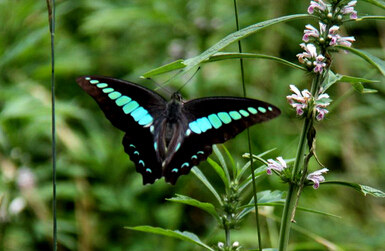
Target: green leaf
[(354, 81), (360, 188), (205, 206), (368, 18), (373, 60), (185, 236), (263, 198), (178, 64), (190, 63), (378, 3), (281, 204), (219, 170), (198, 173), (223, 162), (231, 55), (238, 35), (233, 166)]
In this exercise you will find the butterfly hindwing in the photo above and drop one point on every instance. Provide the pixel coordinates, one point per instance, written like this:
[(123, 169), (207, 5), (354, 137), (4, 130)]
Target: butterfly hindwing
[(143, 155), (211, 121), (133, 109)]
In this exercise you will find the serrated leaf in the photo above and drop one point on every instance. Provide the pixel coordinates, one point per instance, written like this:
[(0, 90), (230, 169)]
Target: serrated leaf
[(373, 60), (185, 236), (198, 173), (378, 3), (178, 64), (231, 55), (205, 206), (219, 170), (360, 188)]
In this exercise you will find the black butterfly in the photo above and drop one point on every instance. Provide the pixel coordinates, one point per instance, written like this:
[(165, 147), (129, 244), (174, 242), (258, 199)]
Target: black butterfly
[(169, 138)]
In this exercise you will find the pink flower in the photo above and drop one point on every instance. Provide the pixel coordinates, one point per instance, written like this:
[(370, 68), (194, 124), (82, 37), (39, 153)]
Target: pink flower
[(336, 39), (317, 4), (299, 100), (310, 32), (332, 34), (321, 112), (275, 165), (322, 102), (345, 41), (310, 53), (349, 9), (317, 177), (319, 63)]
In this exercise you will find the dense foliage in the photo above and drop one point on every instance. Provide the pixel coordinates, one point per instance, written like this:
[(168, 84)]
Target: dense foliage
[(99, 192)]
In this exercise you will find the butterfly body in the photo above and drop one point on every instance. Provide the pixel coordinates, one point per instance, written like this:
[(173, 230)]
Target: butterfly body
[(169, 138)]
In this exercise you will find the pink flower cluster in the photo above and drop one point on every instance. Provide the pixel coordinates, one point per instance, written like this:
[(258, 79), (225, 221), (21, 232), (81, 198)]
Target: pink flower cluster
[(312, 36), (301, 100), (311, 59), (280, 165), (323, 9)]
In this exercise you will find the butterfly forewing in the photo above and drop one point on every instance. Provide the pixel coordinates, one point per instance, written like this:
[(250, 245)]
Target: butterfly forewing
[(133, 109)]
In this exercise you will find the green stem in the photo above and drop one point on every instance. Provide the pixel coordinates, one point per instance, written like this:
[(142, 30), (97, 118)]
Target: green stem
[(51, 19), (294, 186), (227, 233), (252, 169), (293, 190)]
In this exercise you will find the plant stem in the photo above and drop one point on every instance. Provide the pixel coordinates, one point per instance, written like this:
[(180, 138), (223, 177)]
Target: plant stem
[(294, 186), (252, 169), (227, 233), (51, 19)]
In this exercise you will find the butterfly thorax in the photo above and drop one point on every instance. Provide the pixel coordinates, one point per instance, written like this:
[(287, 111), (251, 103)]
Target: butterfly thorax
[(171, 130)]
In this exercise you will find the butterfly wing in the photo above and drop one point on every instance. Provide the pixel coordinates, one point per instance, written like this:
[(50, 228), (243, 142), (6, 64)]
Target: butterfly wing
[(211, 121), (133, 109)]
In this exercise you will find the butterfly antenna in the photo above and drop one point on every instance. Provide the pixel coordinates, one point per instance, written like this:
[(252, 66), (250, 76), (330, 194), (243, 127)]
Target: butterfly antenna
[(195, 73), (160, 86)]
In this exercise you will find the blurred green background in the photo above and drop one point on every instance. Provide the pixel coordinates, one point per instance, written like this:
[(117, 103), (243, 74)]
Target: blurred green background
[(99, 191)]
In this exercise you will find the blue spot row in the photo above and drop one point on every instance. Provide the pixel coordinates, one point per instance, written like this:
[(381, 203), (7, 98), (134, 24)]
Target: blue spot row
[(141, 162), (175, 170), (129, 106), (203, 124)]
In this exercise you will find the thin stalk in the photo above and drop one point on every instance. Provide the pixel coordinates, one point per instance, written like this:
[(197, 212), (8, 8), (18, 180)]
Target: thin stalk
[(51, 19), (252, 169)]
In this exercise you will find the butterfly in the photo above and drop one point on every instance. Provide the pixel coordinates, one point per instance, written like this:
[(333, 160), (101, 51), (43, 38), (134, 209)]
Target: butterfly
[(168, 138)]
